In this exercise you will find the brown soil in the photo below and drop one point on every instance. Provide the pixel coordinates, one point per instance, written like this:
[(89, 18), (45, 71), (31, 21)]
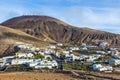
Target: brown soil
[(35, 76)]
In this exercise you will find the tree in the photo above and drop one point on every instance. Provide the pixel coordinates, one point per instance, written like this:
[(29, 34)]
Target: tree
[(62, 56), (48, 58), (38, 56)]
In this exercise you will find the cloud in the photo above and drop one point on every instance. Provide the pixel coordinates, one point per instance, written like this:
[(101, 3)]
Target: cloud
[(105, 18)]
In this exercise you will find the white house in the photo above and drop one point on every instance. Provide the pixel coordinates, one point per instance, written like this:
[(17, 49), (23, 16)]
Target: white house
[(71, 57), (48, 64), (51, 47), (21, 61), (2, 62), (114, 62), (27, 47), (99, 67), (49, 51), (89, 58), (21, 55), (7, 57), (59, 44), (34, 49), (100, 52), (65, 52), (83, 48), (74, 48), (42, 53), (83, 57), (25, 55), (21, 46), (40, 66), (54, 63), (90, 46), (96, 66), (34, 63), (57, 54), (30, 55), (102, 44)]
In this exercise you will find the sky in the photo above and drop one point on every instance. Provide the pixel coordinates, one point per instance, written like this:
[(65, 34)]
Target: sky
[(96, 14)]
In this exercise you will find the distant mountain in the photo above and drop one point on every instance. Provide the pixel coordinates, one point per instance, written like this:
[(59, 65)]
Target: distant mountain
[(44, 27)]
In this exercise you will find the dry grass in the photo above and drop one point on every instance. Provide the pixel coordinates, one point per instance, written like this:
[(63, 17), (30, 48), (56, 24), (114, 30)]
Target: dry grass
[(21, 36), (14, 31), (34, 76), (10, 36), (99, 75)]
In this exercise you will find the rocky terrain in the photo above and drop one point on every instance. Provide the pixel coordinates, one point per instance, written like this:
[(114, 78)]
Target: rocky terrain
[(44, 27)]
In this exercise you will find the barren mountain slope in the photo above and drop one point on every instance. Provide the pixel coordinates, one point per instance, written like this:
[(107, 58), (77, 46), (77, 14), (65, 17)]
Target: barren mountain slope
[(54, 29), (9, 37)]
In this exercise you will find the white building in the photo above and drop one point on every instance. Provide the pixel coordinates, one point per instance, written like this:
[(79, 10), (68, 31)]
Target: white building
[(83, 57), (54, 63), (114, 62), (74, 48), (21, 61), (51, 47), (102, 44), (48, 64), (83, 48), (42, 53), (59, 44), (34, 63), (8, 57), (90, 46), (25, 55), (34, 49), (99, 67), (2, 62), (91, 58), (27, 47), (71, 57), (100, 52), (65, 52)]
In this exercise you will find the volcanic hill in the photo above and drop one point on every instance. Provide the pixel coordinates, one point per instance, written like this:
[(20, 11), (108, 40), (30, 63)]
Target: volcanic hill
[(45, 27)]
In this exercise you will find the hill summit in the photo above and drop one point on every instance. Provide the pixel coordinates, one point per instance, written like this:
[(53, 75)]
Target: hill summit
[(54, 29)]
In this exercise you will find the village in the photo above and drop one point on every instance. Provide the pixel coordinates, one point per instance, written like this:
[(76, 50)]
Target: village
[(63, 57)]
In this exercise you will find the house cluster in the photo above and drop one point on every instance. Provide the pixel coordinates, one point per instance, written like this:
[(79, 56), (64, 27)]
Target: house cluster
[(32, 57), (95, 58), (29, 60), (111, 63), (27, 47), (36, 63), (42, 58), (89, 58)]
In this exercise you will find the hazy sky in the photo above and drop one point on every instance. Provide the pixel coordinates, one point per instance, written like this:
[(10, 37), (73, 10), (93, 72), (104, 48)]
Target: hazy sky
[(96, 14)]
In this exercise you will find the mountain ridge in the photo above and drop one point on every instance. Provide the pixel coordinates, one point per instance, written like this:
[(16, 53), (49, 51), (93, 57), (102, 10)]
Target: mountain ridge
[(60, 31)]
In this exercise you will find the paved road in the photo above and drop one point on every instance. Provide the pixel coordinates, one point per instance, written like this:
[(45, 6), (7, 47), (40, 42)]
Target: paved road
[(59, 61), (3, 68)]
